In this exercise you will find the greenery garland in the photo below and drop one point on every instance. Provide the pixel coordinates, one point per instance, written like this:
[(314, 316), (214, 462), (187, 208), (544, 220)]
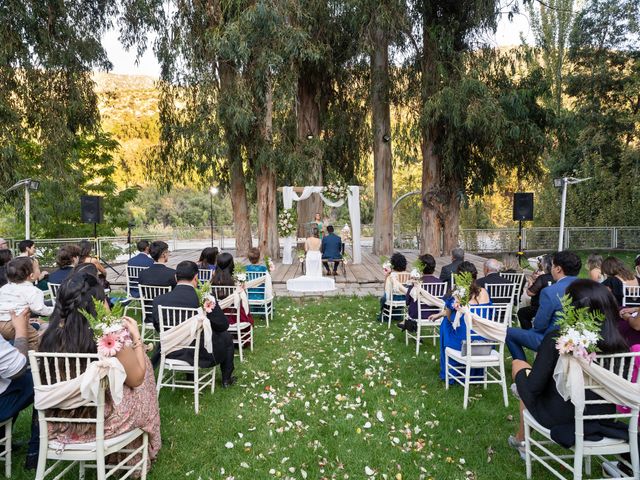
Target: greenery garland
[(287, 222)]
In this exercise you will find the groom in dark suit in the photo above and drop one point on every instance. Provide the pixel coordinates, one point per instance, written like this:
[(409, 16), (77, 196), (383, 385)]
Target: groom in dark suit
[(331, 249)]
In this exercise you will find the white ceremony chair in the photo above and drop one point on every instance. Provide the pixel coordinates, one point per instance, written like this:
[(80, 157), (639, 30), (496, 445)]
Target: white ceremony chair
[(518, 280), (540, 449), (492, 364), (53, 291), (133, 303), (5, 442), (147, 294), (260, 306), (204, 275), (396, 308), (437, 290), (53, 368), (170, 317), (631, 296), (236, 329), (501, 293)]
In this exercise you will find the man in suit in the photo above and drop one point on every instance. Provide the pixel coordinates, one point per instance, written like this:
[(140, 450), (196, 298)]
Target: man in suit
[(457, 257), (184, 295), (142, 259), (158, 274), (492, 275), (331, 249), (565, 268)]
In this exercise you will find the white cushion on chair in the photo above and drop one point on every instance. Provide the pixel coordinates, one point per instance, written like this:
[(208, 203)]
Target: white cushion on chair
[(605, 442), (175, 364), (91, 446), (474, 359), (240, 325)]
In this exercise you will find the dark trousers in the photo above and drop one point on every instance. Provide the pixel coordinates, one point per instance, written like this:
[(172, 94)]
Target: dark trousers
[(525, 316), (326, 266), (17, 397)]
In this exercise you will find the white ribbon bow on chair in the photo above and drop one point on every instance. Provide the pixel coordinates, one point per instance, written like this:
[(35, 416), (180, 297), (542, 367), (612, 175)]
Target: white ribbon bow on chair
[(186, 332)]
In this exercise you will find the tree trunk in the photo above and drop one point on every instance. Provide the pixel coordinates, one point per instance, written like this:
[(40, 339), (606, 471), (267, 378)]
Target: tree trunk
[(240, 206), (267, 218), (309, 126), (451, 220), (382, 163), (430, 227)]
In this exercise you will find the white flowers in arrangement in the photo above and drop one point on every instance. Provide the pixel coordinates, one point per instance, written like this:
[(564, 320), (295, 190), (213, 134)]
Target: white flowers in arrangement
[(462, 290), (206, 301), (415, 274), (336, 191), (269, 263), (287, 222), (109, 331), (579, 330), (240, 274)]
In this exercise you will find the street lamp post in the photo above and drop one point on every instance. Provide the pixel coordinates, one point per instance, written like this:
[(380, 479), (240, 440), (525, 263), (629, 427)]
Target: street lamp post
[(28, 184), (212, 191), (564, 182)]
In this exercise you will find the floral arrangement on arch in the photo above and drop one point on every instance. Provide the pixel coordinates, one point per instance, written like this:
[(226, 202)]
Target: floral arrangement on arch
[(206, 301), (109, 332), (336, 191), (579, 330), (287, 222)]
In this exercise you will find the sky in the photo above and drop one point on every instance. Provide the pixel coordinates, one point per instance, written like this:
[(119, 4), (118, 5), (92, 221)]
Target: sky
[(124, 62)]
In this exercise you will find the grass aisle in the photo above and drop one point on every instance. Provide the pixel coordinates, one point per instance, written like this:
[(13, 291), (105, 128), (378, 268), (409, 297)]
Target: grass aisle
[(330, 393)]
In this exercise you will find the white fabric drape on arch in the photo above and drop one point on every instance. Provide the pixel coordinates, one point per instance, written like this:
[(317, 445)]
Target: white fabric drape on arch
[(353, 201)]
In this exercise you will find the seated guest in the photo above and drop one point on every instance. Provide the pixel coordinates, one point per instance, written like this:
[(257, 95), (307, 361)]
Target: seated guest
[(618, 276), (158, 274), (223, 276), (254, 257), (70, 332), (4, 245), (86, 256), (5, 257), (16, 384), (27, 248), (491, 269), (536, 385), (398, 264), (208, 258), (510, 263), (331, 248), (428, 267), (636, 264), (142, 259), (453, 337), (457, 257), (565, 267), (19, 295), (68, 257), (629, 325), (542, 280), (184, 295), (594, 267)]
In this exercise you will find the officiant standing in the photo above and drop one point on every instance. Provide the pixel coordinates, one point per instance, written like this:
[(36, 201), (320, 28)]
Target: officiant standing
[(317, 223)]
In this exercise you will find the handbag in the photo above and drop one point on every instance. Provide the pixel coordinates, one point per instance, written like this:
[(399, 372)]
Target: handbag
[(478, 349)]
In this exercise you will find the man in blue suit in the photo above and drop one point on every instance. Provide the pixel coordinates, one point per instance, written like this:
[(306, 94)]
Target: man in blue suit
[(142, 259), (331, 249), (565, 268)]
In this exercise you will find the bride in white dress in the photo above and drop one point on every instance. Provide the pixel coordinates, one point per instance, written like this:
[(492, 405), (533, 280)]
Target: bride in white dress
[(312, 281)]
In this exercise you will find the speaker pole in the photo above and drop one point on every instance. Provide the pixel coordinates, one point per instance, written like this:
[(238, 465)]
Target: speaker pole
[(95, 231), (520, 252)]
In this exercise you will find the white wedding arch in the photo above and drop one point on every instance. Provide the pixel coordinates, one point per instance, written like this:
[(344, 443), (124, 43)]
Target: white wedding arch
[(353, 200)]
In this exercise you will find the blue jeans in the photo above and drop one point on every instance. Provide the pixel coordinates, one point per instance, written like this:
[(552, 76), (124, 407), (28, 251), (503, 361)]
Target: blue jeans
[(518, 338), (17, 397)]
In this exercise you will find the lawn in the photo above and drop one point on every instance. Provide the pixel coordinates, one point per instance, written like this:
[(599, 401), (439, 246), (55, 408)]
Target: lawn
[(330, 393)]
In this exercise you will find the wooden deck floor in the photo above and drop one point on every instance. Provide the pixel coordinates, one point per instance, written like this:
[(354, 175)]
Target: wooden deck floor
[(367, 272)]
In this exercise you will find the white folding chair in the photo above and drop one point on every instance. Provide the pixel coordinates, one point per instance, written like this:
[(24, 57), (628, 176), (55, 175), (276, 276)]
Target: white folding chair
[(241, 331), (631, 296), (54, 368), (262, 305), (170, 317), (518, 280), (501, 293), (204, 275), (437, 290), (147, 294), (492, 365), (395, 308), (5, 443), (540, 449), (53, 291), (133, 303)]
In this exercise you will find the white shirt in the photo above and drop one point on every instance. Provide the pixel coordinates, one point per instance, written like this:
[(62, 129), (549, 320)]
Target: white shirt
[(11, 362), (18, 296)]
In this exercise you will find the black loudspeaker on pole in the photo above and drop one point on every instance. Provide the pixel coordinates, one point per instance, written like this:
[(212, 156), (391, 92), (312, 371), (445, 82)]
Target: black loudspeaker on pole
[(91, 211), (522, 212)]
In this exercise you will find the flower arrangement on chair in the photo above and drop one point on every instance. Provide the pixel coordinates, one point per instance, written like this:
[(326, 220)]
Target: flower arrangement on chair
[(386, 264), (240, 274), (287, 222), (269, 263), (579, 330), (336, 191), (301, 255), (109, 330), (462, 290), (206, 301)]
